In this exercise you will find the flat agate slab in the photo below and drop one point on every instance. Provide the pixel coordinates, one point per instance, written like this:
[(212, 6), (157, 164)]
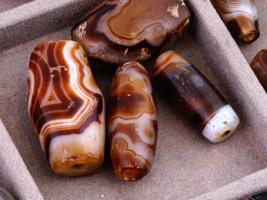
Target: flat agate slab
[(195, 97), (66, 107), (132, 122), (118, 31)]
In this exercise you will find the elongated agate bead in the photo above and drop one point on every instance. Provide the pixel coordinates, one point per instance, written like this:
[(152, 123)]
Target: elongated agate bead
[(194, 96), (259, 66), (241, 18), (66, 107), (132, 122)]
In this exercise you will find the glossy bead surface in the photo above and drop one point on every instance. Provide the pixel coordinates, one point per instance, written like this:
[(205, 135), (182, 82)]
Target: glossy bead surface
[(194, 97), (241, 18), (132, 122), (259, 66), (123, 30), (66, 107)]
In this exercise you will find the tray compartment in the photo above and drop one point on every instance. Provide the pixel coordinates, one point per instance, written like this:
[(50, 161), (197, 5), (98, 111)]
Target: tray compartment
[(186, 165), (185, 162)]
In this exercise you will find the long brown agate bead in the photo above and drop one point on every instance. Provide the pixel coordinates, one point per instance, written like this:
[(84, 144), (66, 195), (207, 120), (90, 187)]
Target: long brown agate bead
[(66, 107), (241, 18), (194, 96), (132, 122), (259, 66), (119, 31)]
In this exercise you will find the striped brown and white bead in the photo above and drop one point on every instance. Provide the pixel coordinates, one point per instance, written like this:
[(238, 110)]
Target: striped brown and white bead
[(119, 31), (66, 107), (132, 122), (194, 96), (241, 18), (259, 66)]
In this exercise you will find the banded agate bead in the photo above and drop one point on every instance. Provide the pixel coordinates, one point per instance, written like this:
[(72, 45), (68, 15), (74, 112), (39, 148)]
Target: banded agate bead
[(241, 18), (132, 122), (66, 107)]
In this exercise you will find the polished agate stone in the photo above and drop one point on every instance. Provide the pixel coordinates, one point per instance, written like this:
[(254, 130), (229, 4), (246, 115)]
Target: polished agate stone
[(118, 31), (66, 107), (241, 18), (194, 97), (132, 122), (259, 66)]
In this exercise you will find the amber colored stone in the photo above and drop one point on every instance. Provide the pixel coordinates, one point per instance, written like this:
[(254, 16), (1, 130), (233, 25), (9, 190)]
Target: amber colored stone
[(259, 66), (120, 30), (241, 18), (192, 95), (132, 122)]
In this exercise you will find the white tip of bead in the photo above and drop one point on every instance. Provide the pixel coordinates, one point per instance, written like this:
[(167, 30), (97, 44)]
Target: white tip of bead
[(222, 125)]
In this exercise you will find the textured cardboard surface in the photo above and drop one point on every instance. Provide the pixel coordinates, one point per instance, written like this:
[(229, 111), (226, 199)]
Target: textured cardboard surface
[(241, 189), (14, 175), (8, 5), (39, 17), (186, 165)]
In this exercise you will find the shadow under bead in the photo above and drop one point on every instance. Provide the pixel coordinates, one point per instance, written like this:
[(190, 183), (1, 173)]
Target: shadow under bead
[(259, 66), (194, 96), (66, 108), (132, 122), (119, 31), (241, 18)]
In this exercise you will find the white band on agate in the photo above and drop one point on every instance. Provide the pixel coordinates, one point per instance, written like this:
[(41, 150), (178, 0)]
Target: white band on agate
[(222, 125)]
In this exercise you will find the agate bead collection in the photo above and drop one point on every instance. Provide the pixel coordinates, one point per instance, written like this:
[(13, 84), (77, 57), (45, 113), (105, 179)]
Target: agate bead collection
[(67, 108)]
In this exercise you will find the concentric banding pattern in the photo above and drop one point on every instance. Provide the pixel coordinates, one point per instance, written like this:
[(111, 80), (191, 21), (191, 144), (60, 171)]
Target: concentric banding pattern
[(240, 16), (229, 9), (119, 31), (132, 122), (64, 102)]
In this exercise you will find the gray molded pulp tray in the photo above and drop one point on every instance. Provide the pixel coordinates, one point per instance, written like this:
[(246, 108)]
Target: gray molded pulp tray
[(186, 165), (8, 5)]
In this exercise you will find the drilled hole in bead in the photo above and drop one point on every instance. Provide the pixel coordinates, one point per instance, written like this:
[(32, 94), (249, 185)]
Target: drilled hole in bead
[(78, 166), (226, 133)]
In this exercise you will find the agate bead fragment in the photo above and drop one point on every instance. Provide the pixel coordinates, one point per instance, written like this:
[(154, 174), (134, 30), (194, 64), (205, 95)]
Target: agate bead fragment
[(241, 18), (194, 97), (118, 31), (132, 122), (66, 107), (259, 66)]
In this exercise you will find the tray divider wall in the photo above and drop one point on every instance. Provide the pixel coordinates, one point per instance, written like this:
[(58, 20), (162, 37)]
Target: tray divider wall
[(232, 71), (13, 171)]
